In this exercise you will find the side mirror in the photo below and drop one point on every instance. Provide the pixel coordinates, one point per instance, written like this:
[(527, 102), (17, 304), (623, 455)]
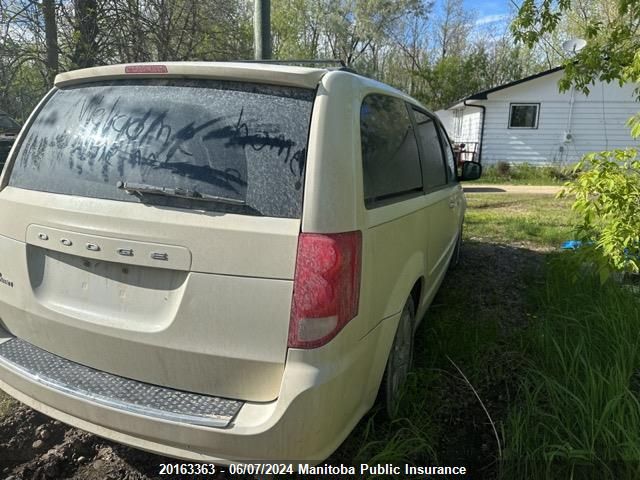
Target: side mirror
[(471, 170)]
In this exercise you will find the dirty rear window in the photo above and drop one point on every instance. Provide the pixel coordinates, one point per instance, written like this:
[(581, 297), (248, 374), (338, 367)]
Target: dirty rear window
[(240, 141)]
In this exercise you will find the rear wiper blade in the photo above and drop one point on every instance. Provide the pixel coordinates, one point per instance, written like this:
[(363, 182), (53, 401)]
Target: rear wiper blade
[(141, 188)]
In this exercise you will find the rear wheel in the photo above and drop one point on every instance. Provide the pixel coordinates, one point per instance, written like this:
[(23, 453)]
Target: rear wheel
[(399, 361)]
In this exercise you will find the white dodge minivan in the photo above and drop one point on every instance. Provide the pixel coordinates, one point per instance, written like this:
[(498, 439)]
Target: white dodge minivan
[(221, 262)]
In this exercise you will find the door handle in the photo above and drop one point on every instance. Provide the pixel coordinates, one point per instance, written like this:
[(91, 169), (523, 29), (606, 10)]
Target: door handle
[(452, 203)]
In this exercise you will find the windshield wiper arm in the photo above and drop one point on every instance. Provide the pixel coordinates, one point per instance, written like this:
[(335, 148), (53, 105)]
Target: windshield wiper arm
[(141, 188)]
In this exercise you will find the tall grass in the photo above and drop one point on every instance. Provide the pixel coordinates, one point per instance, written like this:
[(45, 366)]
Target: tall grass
[(578, 415), (436, 399)]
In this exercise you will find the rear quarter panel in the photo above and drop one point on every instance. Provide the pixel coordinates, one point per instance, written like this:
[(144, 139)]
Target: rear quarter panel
[(394, 249)]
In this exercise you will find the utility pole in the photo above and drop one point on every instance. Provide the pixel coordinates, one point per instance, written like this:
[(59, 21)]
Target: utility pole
[(262, 29)]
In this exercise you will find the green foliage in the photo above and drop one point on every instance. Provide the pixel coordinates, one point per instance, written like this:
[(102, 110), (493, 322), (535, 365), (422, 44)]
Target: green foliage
[(26, 86), (607, 199), (577, 414), (432, 50), (110, 32), (296, 29), (607, 191), (612, 38), (341, 29), (404, 43), (474, 68), (442, 90)]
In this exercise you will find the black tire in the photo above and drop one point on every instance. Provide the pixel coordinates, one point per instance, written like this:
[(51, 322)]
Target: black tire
[(455, 258), (399, 361)]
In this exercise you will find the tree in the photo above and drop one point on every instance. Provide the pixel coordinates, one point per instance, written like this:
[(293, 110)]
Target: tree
[(401, 42), (464, 58), (613, 38), (453, 29), (354, 27), (85, 33), (442, 90), (296, 27), (51, 35), (607, 190), (24, 75)]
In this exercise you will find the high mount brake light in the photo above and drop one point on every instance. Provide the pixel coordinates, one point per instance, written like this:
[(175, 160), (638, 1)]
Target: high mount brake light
[(146, 69), (326, 288)]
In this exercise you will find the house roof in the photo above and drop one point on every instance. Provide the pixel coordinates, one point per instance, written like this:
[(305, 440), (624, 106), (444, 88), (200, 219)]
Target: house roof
[(483, 94)]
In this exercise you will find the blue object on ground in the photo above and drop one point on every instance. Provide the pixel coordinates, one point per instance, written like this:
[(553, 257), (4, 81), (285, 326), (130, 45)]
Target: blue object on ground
[(571, 245)]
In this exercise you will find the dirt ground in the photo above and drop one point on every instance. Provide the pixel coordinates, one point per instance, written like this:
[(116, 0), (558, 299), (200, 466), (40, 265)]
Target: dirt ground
[(35, 447)]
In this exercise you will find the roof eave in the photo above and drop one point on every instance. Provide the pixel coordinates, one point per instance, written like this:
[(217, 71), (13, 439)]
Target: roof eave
[(484, 95)]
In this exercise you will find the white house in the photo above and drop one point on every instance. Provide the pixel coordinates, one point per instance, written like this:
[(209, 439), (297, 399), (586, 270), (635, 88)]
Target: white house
[(529, 120)]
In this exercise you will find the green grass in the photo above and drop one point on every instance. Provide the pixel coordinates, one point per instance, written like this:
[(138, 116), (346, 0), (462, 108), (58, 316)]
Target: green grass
[(441, 421), (435, 395), (555, 361), (525, 174), (541, 220), (578, 414)]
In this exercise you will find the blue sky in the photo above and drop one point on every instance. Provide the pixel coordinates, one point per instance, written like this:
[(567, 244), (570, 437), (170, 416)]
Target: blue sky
[(489, 11)]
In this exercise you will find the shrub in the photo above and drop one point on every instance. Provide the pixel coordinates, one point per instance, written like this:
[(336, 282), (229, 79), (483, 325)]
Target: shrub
[(607, 199)]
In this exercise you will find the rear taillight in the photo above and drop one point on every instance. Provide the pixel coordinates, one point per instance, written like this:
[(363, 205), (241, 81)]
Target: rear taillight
[(326, 289)]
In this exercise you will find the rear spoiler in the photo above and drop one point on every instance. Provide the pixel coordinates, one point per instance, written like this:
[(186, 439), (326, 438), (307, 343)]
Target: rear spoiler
[(250, 72)]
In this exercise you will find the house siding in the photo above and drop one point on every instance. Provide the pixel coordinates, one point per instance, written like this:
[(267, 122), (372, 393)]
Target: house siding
[(598, 122)]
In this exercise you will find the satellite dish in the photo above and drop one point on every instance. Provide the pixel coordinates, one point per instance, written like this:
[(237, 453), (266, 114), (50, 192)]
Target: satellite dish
[(574, 46)]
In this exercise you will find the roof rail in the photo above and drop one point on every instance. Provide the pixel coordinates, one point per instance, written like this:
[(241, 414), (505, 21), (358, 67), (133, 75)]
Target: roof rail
[(342, 65), (288, 61)]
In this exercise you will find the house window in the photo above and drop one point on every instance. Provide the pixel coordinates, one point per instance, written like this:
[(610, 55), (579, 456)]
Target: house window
[(524, 115)]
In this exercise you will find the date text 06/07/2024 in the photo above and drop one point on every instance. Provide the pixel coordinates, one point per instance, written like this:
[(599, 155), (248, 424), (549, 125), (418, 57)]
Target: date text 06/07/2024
[(306, 469)]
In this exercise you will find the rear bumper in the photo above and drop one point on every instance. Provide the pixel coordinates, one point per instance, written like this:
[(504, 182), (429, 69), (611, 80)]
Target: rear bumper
[(324, 393)]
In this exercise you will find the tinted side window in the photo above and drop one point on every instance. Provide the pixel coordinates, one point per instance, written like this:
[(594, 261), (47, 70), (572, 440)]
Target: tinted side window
[(433, 164), (448, 156), (390, 161)]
